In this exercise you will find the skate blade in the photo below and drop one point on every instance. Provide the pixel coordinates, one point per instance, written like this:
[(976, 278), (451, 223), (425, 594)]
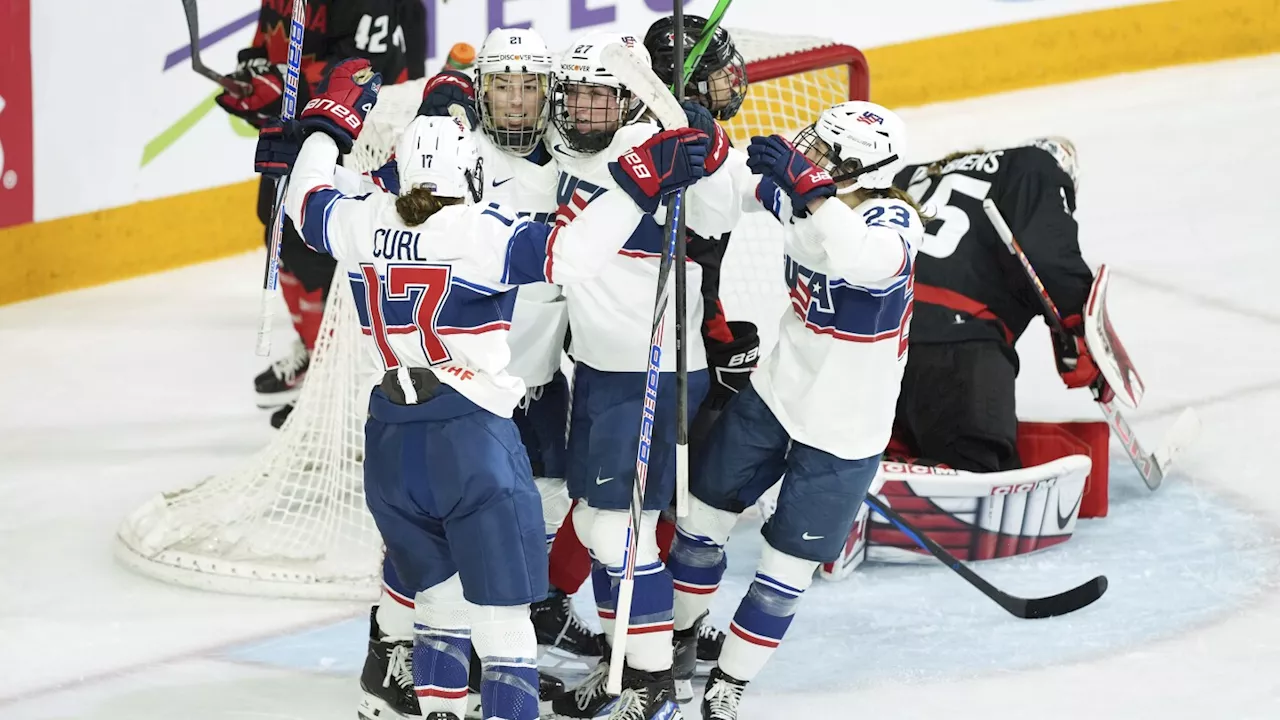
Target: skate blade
[(272, 401), (374, 708), (684, 691)]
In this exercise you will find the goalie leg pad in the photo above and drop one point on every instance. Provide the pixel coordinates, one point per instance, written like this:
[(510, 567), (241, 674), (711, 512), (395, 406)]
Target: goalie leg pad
[(508, 651), (442, 648), (650, 628), (765, 613)]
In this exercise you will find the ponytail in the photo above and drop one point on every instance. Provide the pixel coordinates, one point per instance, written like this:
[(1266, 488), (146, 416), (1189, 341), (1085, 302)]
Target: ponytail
[(861, 195), (419, 204)]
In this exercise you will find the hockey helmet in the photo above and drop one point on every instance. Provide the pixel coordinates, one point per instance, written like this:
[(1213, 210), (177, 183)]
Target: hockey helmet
[(441, 154), (856, 141), (513, 76), (588, 103), (719, 80), (1064, 152)]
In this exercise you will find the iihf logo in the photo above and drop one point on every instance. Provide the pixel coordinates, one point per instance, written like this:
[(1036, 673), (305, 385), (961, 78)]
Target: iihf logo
[(871, 118)]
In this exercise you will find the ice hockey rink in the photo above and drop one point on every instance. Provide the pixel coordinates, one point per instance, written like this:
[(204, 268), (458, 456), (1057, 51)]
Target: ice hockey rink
[(111, 394)]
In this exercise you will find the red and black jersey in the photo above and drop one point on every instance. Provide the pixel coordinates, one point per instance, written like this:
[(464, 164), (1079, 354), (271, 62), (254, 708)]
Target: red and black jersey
[(968, 286), (384, 31)]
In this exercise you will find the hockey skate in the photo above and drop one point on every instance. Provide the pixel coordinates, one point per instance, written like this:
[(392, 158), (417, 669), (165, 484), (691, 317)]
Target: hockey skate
[(710, 642), (282, 382), (549, 688), (586, 700), (558, 626), (441, 715), (684, 660), (722, 697), (645, 696), (387, 678)]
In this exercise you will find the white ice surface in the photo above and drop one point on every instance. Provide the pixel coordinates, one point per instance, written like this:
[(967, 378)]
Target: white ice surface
[(111, 394)]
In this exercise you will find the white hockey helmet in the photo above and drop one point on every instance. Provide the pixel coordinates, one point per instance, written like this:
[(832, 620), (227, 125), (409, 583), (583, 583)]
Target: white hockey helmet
[(589, 104), (1064, 151), (513, 80), (856, 141), (440, 153)]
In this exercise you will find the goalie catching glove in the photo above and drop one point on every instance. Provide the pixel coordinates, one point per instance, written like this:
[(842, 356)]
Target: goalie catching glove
[(779, 161), (343, 99), (1075, 364), (667, 162)]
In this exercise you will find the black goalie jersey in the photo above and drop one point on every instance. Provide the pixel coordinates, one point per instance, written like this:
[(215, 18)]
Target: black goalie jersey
[(968, 286), (384, 31)]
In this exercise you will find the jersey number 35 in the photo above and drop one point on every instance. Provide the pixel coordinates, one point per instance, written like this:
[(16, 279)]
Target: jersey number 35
[(940, 241)]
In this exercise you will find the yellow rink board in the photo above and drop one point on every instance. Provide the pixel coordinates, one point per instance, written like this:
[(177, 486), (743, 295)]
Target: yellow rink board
[(94, 248)]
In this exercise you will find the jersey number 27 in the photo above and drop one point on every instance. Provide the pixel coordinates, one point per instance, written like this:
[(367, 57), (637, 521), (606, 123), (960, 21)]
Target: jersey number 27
[(941, 241)]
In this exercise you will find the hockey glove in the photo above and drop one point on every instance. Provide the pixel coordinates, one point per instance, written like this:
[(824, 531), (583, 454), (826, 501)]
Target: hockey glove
[(780, 161), (1075, 364), (450, 92), (267, 83), (661, 165), (770, 197), (278, 145), (700, 119), (343, 99), (730, 364)]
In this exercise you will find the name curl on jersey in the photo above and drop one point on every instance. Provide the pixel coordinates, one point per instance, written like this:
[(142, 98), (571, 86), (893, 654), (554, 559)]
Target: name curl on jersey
[(396, 245)]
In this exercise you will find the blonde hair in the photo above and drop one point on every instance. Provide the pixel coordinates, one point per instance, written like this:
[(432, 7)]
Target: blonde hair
[(935, 168), (419, 204), (861, 195)]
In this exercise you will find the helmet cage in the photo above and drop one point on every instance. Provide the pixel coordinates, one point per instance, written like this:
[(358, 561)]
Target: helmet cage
[(828, 158), (611, 110), (516, 140)]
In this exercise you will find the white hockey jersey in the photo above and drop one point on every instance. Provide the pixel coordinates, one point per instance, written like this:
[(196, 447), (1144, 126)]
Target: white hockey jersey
[(611, 316), (528, 188), (832, 380), (440, 295)]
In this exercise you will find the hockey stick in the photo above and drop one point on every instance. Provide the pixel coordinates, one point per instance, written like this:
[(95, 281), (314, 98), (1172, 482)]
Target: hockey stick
[(231, 85), (640, 80), (1151, 466), (288, 108), (1025, 608)]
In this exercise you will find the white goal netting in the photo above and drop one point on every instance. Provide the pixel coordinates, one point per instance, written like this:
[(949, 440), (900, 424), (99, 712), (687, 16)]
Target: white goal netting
[(292, 521)]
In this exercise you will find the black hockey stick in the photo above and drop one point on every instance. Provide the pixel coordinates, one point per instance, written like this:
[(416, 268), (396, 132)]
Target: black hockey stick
[(233, 86), (1025, 608)]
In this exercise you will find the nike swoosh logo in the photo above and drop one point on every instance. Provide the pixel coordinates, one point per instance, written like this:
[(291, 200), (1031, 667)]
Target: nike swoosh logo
[(807, 536), (1062, 521), (601, 481), (497, 182)]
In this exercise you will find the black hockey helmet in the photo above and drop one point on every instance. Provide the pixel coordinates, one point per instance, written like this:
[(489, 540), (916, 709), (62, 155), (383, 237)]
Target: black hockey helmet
[(719, 82)]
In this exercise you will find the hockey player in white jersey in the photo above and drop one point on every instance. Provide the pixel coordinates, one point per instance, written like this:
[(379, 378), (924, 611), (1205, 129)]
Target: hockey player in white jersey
[(446, 476), (820, 408), (593, 117)]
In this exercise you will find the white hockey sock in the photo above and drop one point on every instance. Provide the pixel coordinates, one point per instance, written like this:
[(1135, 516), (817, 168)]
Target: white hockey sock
[(555, 504), (508, 650), (442, 648), (396, 615), (765, 613), (697, 559)]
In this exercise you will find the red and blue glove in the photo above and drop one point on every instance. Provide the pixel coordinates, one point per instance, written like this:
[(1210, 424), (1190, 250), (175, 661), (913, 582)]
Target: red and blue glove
[(780, 161), (700, 119), (342, 101), (450, 93), (667, 162), (278, 145)]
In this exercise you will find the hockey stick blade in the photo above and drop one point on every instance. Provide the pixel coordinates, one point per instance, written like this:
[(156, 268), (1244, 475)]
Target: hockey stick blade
[(1184, 432), (640, 80), (1025, 608)]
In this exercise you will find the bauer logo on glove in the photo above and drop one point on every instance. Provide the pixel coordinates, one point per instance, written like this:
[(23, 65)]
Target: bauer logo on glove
[(343, 99)]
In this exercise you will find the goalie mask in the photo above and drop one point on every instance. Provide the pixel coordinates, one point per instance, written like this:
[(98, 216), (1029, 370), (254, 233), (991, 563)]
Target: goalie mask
[(718, 82), (860, 143), (1064, 152), (514, 69), (440, 154), (589, 104)]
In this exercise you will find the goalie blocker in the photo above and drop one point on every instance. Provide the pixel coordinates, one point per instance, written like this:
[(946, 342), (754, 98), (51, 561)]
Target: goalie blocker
[(982, 516)]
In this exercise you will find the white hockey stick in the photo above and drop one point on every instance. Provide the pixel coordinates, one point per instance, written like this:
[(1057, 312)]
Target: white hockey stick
[(640, 80), (1151, 466)]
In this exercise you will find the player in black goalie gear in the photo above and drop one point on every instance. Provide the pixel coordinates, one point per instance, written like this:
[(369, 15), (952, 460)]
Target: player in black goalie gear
[(715, 91), (973, 300)]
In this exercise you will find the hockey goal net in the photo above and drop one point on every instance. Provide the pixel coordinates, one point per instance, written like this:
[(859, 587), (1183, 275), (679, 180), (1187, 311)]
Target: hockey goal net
[(292, 522)]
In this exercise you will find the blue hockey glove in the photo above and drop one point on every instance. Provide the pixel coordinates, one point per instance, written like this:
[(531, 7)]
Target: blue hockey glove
[(342, 101), (450, 92), (700, 119), (666, 162), (779, 160), (278, 145)]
